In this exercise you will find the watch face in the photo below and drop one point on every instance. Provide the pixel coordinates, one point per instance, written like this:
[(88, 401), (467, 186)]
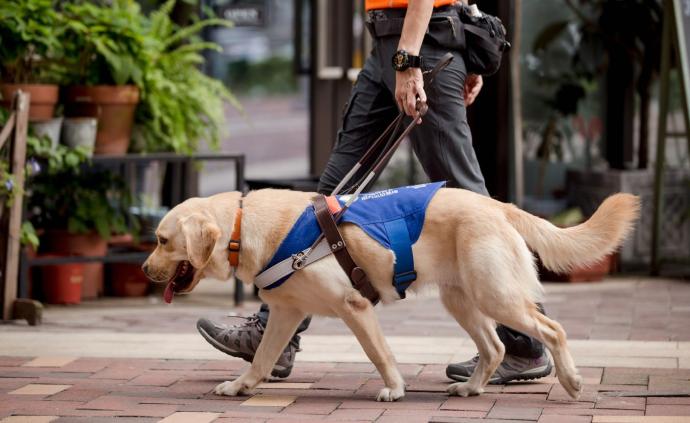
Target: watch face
[(400, 60)]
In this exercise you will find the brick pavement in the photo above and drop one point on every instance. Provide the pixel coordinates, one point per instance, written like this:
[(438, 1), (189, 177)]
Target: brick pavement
[(101, 389), (46, 375)]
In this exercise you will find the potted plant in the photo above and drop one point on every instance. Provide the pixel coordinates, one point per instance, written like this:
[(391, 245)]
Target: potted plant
[(180, 104), (104, 45), (30, 50), (77, 206)]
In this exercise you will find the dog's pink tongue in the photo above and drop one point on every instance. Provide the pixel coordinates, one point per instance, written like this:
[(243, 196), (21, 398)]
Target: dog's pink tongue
[(169, 292)]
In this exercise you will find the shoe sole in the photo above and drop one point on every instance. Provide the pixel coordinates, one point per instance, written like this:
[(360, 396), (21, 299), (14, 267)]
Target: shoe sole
[(276, 372), (537, 373)]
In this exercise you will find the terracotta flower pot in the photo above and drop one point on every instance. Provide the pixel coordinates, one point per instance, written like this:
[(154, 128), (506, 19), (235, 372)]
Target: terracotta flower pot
[(43, 98), (113, 105), (62, 283), (128, 280), (90, 245)]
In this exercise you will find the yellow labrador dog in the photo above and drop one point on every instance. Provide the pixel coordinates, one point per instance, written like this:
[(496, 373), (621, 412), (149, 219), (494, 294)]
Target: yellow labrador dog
[(477, 250)]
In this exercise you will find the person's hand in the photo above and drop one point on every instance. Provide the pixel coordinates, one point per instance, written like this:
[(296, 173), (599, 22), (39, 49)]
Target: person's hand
[(473, 84), (409, 85)]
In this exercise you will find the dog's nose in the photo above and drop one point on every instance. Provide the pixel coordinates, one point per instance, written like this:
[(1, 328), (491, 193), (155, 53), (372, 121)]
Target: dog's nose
[(145, 268)]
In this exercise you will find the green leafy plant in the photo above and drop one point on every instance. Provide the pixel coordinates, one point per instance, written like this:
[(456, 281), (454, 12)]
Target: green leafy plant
[(104, 42), (114, 43), (69, 194), (30, 44), (180, 105)]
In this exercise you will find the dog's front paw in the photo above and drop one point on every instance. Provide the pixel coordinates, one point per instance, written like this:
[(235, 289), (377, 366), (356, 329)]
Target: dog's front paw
[(230, 389), (390, 395), (463, 389), (572, 384)]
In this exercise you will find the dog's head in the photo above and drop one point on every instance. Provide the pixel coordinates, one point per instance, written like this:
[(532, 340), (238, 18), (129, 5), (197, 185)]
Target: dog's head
[(189, 248)]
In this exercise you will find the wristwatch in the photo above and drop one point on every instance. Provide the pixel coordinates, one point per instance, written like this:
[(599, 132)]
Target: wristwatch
[(402, 60)]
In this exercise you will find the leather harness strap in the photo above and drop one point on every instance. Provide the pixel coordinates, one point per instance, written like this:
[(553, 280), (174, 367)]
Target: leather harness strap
[(358, 278)]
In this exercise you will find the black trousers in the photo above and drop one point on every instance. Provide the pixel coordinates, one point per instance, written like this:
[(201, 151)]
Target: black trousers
[(443, 143)]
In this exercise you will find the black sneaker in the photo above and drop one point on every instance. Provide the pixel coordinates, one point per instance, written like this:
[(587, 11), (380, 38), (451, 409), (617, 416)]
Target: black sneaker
[(243, 340), (511, 368)]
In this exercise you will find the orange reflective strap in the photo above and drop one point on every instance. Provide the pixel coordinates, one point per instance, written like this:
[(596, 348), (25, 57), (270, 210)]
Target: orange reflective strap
[(333, 204), (394, 4)]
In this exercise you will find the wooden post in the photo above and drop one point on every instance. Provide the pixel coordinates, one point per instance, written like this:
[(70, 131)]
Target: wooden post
[(17, 162), (676, 26)]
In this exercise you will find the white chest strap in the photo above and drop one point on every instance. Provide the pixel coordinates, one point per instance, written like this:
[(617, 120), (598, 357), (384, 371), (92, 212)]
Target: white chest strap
[(284, 268)]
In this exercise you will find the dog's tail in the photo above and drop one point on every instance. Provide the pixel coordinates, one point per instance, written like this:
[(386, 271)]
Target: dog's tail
[(562, 248)]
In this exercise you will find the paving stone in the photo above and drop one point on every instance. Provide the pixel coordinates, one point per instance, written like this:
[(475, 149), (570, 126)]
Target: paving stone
[(120, 373), (12, 383), (269, 401), (186, 417), (407, 419), (668, 383), (156, 378), (29, 419), (149, 410), (115, 419), (369, 414), (478, 403), (639, 419), (590, 412), (668, 410), (589, 394), (312, 406), (39, 389), (79, 394), (49, 362), (86, 364), (564, 419), (284, 385), (110, 402), (7, 361), (621, 403), (613, 376), (515, 413), (412, 401), (428, 414), (668, 400), (240, 420), (527, 388), (178, 365), (469, 420), (341, 381)]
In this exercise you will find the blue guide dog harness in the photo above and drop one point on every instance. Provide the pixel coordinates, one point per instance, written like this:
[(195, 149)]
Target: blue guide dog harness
[(394, 218)]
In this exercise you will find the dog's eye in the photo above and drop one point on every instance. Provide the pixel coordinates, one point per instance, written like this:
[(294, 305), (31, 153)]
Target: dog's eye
[(162, 241)]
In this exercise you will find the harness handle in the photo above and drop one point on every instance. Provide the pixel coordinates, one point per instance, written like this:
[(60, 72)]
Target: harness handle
[(391, 130)]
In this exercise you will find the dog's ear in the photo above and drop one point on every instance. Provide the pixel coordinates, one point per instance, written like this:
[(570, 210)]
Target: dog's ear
[(201, 235)]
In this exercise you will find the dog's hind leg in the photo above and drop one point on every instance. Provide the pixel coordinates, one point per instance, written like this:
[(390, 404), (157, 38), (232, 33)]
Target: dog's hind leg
[(358, 313), (482, 330), (529, 320), (281, 326)]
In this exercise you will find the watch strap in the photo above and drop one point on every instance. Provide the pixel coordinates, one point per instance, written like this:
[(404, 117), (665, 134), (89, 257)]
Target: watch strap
[(415, 61)]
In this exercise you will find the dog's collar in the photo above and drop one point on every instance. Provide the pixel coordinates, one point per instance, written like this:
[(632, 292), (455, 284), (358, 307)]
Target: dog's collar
[(235, 243)]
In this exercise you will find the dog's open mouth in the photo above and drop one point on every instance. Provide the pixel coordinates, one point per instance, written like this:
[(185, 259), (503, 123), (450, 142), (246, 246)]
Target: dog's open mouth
[(183, 277)]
